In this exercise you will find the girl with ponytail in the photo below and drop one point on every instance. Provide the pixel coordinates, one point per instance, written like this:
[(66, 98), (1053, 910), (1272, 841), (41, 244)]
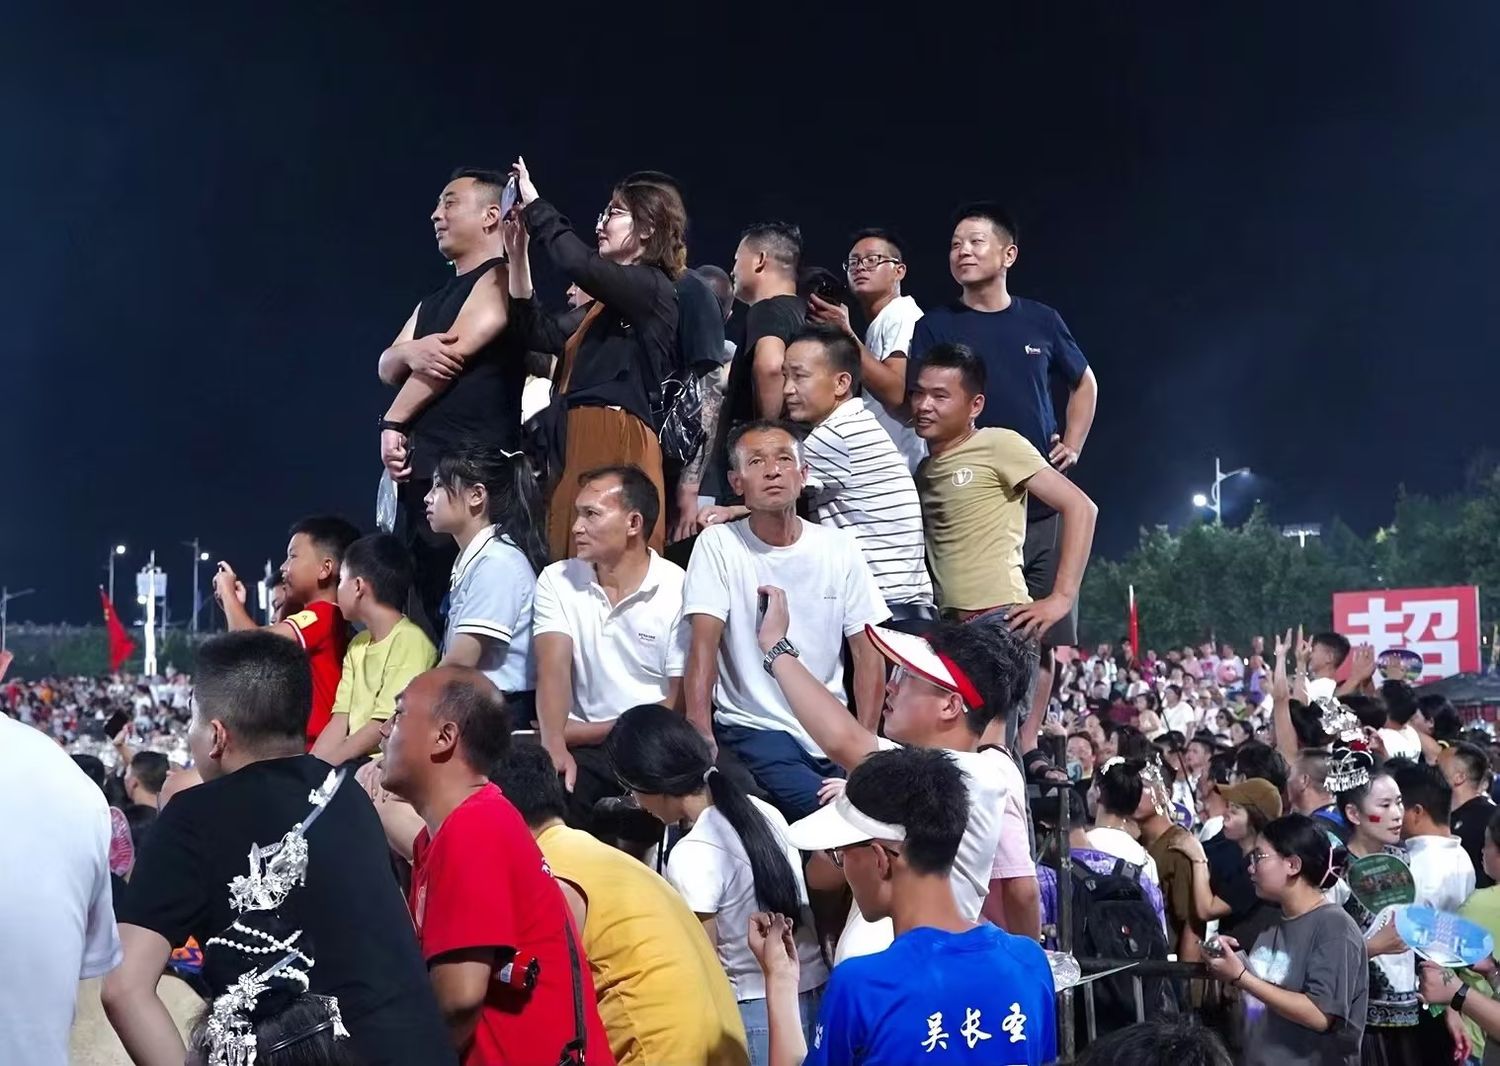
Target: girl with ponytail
[(487, 500), (1305, 980), (733, 860)]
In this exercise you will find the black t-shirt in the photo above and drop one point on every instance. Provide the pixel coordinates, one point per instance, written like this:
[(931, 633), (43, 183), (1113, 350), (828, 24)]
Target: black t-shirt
[(1469, 823), (484, 402), (353, 917), (780, 317)]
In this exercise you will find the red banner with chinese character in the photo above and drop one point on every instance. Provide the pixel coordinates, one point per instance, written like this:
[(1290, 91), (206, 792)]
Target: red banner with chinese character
[(1440, 625)]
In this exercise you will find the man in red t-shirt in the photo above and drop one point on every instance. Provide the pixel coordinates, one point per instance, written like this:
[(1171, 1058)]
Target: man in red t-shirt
[(311, 577), (491, 921)]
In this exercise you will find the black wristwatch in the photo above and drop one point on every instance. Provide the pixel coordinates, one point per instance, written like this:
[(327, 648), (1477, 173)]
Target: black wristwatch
[(780, 648), (399, 427), (1457, 1002)]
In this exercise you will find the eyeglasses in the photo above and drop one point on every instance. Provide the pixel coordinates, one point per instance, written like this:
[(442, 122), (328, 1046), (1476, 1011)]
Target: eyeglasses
[(608, 213), (837, 854), (1258, 856), (854, 262)]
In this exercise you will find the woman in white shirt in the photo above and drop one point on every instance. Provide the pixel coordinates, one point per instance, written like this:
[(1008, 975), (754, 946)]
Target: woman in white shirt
[(733, 860), (1123, 799)]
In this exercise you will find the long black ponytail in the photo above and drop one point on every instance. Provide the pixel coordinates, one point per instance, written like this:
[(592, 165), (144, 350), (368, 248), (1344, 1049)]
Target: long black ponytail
[(510, 483), (654, 750)]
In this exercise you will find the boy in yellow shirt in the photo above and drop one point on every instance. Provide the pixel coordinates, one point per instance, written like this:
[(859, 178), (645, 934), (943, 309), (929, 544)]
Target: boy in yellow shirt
[(374, 582)]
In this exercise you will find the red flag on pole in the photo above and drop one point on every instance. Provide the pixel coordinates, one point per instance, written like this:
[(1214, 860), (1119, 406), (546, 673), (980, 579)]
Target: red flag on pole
[(120, 644), (1133, 627)]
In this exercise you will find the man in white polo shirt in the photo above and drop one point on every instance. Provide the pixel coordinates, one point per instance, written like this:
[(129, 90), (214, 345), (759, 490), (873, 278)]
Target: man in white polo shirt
[(607, 631), (730, 698)]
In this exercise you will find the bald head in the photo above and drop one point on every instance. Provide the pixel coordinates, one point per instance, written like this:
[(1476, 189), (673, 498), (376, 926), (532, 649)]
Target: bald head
[(470, 702)]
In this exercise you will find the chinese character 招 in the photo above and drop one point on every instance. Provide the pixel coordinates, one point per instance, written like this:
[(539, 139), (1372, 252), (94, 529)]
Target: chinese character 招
[(1015, 1024), (971, 1032), (936, 1037)]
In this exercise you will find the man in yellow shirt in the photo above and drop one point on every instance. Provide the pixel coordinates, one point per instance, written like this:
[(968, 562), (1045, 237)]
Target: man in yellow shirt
[(374, 582), (974, 485), (663, 996)]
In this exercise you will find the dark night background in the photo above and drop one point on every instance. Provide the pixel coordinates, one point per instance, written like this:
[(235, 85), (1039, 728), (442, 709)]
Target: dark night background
[(1270, 228)]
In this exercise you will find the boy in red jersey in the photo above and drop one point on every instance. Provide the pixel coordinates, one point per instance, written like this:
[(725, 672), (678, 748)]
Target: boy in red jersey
[(501, 948), (311, 576)]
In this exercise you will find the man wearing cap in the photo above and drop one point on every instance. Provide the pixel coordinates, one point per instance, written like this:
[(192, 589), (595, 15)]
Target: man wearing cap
[(942, 695), (898, 831)]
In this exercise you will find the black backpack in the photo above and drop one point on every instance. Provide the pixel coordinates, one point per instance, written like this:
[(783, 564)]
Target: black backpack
[(1112, 919)]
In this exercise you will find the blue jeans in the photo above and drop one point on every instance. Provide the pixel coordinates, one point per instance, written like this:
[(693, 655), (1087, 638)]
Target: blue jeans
[(758, 1025), (781, 767)]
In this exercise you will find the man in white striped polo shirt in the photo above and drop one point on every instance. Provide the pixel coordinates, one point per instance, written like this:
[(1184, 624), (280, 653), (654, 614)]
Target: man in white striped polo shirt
[(857, 478)]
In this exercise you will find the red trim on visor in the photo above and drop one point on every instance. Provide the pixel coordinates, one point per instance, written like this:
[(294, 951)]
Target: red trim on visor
[(961, 681)]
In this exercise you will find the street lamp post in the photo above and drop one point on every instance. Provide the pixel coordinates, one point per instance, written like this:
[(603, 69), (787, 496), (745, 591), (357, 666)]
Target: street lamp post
[(1213, 500), (117, 550), (199, 556), (6, 595)]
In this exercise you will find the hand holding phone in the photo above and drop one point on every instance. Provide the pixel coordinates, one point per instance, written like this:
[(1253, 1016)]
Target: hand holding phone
[(508, 197)]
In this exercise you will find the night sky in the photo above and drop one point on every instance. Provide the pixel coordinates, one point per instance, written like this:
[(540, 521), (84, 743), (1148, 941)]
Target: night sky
[(1271, 231)]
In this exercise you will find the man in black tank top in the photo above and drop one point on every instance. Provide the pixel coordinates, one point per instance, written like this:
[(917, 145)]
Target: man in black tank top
[(460, 377)]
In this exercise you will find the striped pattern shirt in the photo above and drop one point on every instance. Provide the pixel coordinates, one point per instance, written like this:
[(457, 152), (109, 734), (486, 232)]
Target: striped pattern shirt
[(860, 482)]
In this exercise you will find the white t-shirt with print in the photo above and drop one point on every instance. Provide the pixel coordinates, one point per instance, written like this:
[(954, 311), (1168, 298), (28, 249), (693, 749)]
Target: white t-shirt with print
[(1401, 743), (711, 871), (831, 595), (888, 333), (57, 922)]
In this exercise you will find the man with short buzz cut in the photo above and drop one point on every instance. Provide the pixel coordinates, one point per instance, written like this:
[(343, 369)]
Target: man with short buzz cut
[(974, 485), (765, 279), (145, 777), (1318, 663), (251, 692), (875, 268), (855, 477), (607, 631), (459, 376), (492, 923), (1025, 347), (1443, 872), (730, 697), (1308, 791), (1467, 771)]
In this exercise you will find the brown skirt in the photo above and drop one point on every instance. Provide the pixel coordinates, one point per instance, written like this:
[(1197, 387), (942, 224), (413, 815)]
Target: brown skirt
[(602, 436)]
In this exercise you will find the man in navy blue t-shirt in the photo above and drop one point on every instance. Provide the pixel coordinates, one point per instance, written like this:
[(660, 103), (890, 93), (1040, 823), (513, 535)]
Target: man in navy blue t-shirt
[(947, 990), (1025, 346)]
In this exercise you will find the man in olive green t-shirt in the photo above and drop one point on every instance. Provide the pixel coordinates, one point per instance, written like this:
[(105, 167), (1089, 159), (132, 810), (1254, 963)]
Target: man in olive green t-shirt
[(974, 484)]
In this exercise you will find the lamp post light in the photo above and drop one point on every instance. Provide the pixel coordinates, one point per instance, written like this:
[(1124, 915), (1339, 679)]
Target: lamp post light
[(6, 595), (1213, 500), (199, 556), (115, 552)]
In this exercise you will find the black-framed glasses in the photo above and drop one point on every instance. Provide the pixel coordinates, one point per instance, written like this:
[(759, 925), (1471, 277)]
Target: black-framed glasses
[(854, 262), (837, 854)]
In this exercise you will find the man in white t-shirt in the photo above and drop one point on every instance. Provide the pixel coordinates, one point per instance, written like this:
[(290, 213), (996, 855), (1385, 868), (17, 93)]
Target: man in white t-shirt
[(57, 923), (876, 269), (730, 698), (607, 631), (1318, 662), (947, 691), (1179, 715)]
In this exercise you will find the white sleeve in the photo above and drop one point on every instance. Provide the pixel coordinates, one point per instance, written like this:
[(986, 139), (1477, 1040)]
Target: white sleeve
[(496, 600), (904, 329), (695, 872), (547, 614), (705, 590), (101, 939), (674, 663), (863, 604)]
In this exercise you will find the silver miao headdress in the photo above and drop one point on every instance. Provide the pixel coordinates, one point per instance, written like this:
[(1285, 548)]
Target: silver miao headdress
[(1349, 768), (1338, 721), (274, 872)]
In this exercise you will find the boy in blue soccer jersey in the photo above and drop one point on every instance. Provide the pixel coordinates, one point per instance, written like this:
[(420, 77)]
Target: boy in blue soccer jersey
[(947, 990)]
